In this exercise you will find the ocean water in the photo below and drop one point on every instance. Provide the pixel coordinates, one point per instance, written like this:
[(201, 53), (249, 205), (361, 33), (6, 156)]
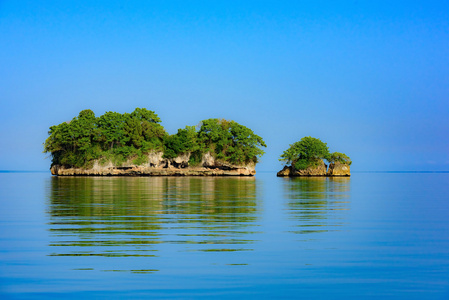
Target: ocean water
[(371, 236)]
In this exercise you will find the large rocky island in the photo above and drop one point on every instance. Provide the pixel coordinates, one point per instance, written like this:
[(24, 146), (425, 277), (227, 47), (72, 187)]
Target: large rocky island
[(136, 144), (306, 158)]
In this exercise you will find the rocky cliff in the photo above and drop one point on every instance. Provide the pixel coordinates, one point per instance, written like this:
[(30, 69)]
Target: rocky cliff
[(339, 169), (335, 169), (156, 165)]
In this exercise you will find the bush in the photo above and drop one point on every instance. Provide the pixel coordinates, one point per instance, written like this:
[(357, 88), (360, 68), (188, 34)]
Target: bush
[(339, 157)]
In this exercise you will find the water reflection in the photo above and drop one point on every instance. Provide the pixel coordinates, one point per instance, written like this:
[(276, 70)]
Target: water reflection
[(135, 216), (317, 204)]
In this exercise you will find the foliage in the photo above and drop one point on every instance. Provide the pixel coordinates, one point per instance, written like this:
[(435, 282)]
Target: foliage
[(184, 141), (339, 157), (113, 135), (119, 137), (110, 129), (225, 140), (309, 152), (71, 143), (305, 153), (230, 141), (142, 114)]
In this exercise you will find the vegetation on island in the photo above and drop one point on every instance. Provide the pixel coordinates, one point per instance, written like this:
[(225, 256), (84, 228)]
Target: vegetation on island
[(339, 157), (309, 152), (132, 136)]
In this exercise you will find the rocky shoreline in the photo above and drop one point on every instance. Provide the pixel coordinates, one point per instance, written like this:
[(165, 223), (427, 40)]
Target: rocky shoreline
[(143, 171), (335, 169), (159, 166)]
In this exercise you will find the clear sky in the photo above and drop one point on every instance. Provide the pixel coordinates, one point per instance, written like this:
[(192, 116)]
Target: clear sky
[(370, 78)]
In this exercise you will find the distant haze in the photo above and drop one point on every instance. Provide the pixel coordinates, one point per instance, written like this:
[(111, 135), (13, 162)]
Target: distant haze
[(370, 78)]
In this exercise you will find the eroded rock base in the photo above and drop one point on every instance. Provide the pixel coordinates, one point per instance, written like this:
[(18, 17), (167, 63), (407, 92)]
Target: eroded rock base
[(159, 166), (335, 169), (339, 169), (150, 171)]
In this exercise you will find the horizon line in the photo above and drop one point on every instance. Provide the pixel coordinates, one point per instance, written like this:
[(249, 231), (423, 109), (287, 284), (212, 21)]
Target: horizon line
[(262, 171)]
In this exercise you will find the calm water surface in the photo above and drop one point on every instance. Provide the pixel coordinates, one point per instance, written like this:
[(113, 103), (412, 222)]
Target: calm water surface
[(373, 235)]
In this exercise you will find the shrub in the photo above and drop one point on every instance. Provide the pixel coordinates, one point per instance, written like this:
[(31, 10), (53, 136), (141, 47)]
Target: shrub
[(339, 157)]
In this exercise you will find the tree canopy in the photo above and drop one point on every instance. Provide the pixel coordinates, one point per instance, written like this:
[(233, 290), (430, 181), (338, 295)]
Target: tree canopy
[(119, 137), (309, 151), (113, 136), (226, 140), (339, 157), (230, 141)]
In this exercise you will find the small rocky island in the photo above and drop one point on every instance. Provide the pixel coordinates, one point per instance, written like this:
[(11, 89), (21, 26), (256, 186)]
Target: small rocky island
[(306, 158), (136, 144)]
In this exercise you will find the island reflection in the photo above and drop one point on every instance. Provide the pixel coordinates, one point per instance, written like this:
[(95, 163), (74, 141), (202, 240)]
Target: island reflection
[(317, 204), (133, 216)]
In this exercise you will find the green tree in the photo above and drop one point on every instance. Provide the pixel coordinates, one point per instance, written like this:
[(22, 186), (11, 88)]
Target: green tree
[(111, 130), (307, 152), (153, 134), (133, 130), (185, 140), (339, 157), (142, 114), (230, 141), (59, 142), (214, 135), (144, 130), (245, 144), (83, 129), (118, 137), (72, 143)]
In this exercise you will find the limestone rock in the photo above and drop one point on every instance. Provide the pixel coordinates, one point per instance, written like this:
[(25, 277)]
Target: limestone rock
[(208, 160), (159, 166), (339, 169), (320, 170), (155, 159), (286, 171), (181, 161), (335, 169), (150, 171)]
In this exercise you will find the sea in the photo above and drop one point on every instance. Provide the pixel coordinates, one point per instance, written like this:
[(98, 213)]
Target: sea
[(370, 236)]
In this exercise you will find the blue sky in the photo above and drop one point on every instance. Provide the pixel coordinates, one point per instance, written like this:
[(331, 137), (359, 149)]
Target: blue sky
[(370, 78)]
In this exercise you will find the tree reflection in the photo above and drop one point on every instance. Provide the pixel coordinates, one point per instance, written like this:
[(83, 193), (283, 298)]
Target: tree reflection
[(316, 204), (131, 216)]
